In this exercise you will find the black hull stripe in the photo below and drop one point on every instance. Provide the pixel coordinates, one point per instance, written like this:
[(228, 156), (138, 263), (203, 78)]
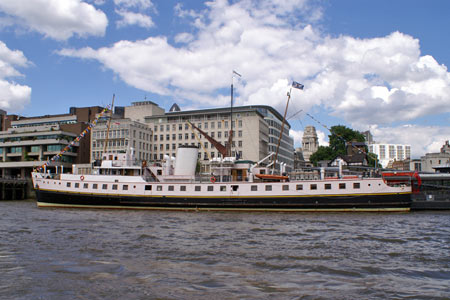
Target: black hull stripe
[(392, 202)]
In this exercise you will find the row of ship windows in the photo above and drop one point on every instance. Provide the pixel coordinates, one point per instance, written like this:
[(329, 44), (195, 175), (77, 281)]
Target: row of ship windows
[(210, 188)]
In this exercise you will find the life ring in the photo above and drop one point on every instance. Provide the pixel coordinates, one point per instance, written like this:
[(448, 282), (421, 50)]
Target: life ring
[(82, 177), (213, 179)]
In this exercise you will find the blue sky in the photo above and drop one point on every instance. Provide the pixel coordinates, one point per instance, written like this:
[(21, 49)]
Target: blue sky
[(378, 65)]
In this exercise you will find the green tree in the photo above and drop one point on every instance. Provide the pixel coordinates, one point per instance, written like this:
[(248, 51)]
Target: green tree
[(338, 138), (340, 135), (323, 153)]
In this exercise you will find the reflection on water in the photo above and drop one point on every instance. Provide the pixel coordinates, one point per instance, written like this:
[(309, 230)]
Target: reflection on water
[(114, 254)]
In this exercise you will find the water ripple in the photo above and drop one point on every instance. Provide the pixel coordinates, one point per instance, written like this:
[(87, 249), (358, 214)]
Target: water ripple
[(101, 254)]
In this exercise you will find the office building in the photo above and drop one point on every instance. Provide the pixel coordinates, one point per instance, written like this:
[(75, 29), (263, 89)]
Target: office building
[(30, 142)]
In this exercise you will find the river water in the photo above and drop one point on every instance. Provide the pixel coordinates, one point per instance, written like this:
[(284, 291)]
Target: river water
[(119, 254)]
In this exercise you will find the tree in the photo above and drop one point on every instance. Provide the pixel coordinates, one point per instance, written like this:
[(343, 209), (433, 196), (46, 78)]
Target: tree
[(322, 153), (338, 139), (340, 135)]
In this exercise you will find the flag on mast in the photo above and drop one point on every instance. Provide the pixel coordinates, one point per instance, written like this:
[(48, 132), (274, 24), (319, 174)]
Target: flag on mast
[(234, 72), (297, 85)]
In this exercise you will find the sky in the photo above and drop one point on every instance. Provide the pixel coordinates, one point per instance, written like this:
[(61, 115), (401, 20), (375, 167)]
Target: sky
[(369, 65)]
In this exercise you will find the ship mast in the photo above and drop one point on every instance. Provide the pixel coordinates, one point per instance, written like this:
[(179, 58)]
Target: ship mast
[(230, 137), (109, 125), (297, 86)]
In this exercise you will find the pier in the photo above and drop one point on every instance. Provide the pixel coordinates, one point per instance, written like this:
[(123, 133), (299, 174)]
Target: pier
[(13, 188), (434, 193)]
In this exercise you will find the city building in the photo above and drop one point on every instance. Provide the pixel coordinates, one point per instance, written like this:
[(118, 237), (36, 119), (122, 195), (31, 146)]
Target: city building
[(29, 142), (256, 132), (433, 161), (387, 153), (122, 135), (310, 142)]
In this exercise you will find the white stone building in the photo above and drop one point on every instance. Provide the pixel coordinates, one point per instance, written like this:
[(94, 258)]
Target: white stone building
[(387, 153)]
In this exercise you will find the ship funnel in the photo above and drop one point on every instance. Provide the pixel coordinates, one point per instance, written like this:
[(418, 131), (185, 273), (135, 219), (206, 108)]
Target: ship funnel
[(186, 160)]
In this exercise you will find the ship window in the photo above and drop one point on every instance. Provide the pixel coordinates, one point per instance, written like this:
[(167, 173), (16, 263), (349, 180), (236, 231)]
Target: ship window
[(285, 187), (268, 187), (148, 187), (299, 187), (68, 184), (171, 188), (85, 186), (114, 187), (313, 186), (356, 185), (210, 188), (94, 186), (328, 186), (125, 187), (104, 186), (183, 188), (223, 188), (235, 187), (254, 188), (342, 186), (198, 188), (159, 172), (159, 188), (77, 185)]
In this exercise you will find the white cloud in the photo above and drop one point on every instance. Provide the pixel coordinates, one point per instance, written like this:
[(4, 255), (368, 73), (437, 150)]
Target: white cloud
[(13, 96), (297, 135), (382, 80), (184, 37), (57, 19), (132, 12), (132, 18), (140, 4)]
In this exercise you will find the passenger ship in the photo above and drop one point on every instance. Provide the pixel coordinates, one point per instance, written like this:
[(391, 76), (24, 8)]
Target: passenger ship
[(232, 185)]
